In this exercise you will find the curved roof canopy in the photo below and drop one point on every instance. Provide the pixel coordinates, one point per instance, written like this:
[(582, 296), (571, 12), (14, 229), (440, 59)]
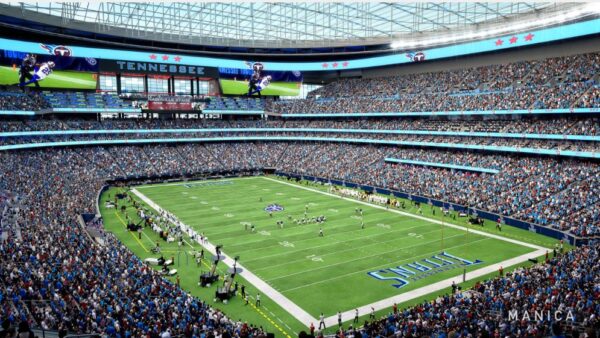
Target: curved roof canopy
[(280, 24)]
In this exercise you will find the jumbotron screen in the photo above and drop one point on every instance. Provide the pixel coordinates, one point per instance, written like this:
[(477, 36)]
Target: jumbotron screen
[(240, 87), (235, 81), (68, 72)]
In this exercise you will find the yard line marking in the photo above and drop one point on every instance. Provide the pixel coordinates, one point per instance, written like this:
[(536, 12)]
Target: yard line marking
[(294, 227), (386, 303), (352, 248), (450, 225), (306, 318), (289, 306), (375, 267), (192, 183), (394, 232), (425, 290), (222, 273)]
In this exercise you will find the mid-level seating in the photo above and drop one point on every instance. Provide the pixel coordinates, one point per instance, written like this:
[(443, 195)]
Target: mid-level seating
[(83, 100)]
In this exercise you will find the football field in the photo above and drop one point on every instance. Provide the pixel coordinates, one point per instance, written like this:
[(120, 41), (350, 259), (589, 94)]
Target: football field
[(395, 257)]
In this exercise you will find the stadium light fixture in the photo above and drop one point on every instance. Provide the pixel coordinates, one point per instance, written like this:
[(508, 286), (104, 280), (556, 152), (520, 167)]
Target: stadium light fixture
[(591, 8), (396, 45)]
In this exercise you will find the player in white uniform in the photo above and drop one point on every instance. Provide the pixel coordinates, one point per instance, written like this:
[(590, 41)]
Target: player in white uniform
[(40, 73)]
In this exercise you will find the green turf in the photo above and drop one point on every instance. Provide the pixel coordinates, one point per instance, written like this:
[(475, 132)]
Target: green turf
[(272, 317), (275, 88), (58, 79), (310, 270)]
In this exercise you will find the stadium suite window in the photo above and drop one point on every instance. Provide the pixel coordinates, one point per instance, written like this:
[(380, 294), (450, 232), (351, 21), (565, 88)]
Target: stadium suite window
[(158, 85), (108, 83), (203, 87), (183, 87), (132, 84)]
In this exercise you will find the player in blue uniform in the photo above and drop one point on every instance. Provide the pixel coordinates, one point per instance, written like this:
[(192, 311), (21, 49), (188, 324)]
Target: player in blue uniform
[(27, 65)]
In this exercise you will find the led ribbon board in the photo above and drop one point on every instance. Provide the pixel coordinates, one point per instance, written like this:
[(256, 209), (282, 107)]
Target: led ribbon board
[(497, 43)]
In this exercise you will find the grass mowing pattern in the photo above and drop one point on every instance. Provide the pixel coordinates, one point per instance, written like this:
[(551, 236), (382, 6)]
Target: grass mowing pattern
[(309, 269), (340, 281)]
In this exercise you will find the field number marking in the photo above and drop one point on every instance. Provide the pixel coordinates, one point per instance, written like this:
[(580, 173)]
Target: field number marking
[(383, 225), (412, 234), (287, 244), (315, 258)]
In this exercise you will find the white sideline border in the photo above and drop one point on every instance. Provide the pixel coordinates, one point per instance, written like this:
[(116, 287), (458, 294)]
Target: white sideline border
[(450, 225), (304, 317), (425, 290), (291, 307), (440, 285)]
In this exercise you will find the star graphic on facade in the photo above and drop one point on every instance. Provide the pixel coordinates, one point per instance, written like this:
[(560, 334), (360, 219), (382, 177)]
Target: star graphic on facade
[(499, 42), (165, 57), (177, 58), (513, 39), (153, 57), (529, 37), (334, 65), (325, 65), (345, 64)]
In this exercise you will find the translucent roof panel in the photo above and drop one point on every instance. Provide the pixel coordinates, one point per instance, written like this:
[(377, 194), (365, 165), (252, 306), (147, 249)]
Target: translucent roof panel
[(281, 24)]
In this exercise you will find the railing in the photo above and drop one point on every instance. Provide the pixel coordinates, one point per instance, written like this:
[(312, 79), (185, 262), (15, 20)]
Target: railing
[(41, 333), (447, 113), (462, 146), (556, 137)]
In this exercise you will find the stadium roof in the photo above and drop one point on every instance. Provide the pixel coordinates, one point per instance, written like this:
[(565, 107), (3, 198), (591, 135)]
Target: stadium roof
[(282, 24)]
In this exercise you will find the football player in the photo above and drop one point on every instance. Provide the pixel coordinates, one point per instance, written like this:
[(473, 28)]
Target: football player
[(27, 65), (256, 78), (262, 84), (40, 72)]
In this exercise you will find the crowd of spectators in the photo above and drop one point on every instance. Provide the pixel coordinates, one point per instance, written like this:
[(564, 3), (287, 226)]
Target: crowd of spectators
[(83, 286), (555, 125), (19, 101), (565, 286), (401, 130), (522, 182), (575, 68), (553, 83), (87, 286), (562, 96)]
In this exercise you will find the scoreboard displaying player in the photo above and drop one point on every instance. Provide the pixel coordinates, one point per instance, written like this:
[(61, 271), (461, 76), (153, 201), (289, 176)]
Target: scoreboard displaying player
[(69, 72)]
